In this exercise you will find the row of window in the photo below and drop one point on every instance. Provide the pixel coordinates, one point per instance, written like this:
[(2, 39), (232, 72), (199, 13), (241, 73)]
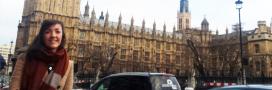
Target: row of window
[(147, 56), (124, 40), (259, 66), (136, 54), (186, 22)]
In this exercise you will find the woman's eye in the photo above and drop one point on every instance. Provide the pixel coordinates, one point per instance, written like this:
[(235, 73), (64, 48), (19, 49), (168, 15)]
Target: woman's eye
[(47, 32), (58, 31)]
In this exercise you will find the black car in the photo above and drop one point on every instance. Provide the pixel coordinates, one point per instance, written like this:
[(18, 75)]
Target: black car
[(138, 81)]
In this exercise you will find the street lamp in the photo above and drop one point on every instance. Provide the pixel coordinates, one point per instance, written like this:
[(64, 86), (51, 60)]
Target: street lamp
[(239, 7), (10, 55)]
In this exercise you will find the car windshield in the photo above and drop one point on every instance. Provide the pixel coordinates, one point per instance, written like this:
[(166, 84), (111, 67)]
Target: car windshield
[(164, 83)]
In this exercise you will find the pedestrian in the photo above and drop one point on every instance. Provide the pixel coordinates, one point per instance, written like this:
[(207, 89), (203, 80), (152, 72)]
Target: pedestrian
[(45, 65)]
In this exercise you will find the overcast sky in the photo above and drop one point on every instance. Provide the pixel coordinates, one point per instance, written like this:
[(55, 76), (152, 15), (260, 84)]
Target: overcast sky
[(221, 14)]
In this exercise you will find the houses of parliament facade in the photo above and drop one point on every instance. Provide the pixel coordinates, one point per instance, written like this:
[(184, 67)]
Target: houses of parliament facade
[(144, 49)]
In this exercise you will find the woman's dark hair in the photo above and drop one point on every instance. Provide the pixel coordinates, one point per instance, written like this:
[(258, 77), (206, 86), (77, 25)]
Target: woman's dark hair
[(38, 42)]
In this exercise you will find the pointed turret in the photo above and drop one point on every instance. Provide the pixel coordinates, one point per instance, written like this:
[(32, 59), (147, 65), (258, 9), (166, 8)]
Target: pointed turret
[(227, 31), (164, 28), (120, 18), (154, 26), (143, 27), (164, 31), (217, 32), (132, 21), (174, 32), (143, 24), (131, 26), (106, 20), (119, 22), (93, 17), (205, 24), (86, 13), (154, 30), (107, 16)]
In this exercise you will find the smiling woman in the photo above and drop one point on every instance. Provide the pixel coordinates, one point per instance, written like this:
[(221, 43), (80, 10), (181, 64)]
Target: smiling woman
[(53, 37), (45, 66)]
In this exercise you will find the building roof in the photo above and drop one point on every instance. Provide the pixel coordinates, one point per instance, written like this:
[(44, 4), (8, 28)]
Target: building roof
[(204, 22)]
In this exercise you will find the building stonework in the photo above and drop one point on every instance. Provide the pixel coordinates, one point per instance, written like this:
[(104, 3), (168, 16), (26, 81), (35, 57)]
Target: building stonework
[(148, 49), (260, 50)]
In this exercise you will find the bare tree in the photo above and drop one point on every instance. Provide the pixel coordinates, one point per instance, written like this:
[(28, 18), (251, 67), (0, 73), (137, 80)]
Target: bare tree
[(198, 62), (104, 55), (226, 54)]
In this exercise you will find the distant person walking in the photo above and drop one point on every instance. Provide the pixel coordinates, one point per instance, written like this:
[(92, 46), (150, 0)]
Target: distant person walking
[(45, 65)]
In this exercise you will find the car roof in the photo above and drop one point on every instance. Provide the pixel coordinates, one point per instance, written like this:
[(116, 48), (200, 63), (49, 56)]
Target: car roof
[(140, 74)]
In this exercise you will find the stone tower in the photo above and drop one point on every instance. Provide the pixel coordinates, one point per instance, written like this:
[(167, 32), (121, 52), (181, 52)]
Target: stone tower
[(184, 16), (35, 11), (259, 50)]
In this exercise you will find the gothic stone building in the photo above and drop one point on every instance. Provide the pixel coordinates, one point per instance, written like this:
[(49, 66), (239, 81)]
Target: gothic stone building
[(148, 49)]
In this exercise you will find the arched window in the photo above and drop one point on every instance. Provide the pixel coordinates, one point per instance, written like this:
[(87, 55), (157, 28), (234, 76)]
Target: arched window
[(180, 24), (257, 48), (258, 66), (187, 23)]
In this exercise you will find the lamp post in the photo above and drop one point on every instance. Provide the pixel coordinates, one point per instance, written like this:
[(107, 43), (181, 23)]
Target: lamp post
[(9, 57), (239, 7)]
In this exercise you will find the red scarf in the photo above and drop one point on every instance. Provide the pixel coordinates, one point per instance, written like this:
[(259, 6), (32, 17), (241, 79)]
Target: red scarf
[(35, 69)]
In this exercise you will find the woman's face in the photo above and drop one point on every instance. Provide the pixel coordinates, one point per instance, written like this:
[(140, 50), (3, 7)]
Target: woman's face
[(53, 36)]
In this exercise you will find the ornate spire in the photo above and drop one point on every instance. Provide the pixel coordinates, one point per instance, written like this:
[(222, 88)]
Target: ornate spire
[(86, 13), (174, 28), (227, 31), (184, 6), (119, 22), (217, 32), (93, 17), (174, 31), (143, 24), (154, 26), (164, 31), (154, 30), (93, 14), (106, 20), (132, 21), (143, 27), (120, 18), (164, 28), (107, 15), (131, 26)]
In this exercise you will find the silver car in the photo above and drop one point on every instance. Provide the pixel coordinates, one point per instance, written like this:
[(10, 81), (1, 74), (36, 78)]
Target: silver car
[(245, 87)]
